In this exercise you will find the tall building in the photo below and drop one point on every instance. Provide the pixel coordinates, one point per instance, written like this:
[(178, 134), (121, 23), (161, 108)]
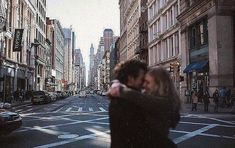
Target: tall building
[(69, 58), (207, 30), (40, 29), (49, 78), (17, 63), (132, 26), (108, 38), (163, 28), (114, 57), (123, 29), (99, 57), (79, 70), (91, 68), (57, 54)]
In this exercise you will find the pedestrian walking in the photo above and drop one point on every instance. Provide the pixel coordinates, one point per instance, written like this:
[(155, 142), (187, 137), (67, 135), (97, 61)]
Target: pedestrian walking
[(194, 101), (222, 94), (228, 97), (206, 101), (216, 100)]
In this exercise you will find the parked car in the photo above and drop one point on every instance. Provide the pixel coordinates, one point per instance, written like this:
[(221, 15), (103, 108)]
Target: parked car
[(60, 95), (9, 121), (41, 97), (53, 96)]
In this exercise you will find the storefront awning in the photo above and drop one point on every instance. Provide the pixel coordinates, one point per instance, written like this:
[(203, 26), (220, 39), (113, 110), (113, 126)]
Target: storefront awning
[(198, 66)]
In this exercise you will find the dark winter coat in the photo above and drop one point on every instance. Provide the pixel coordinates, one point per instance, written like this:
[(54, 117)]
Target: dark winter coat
[(159, 118), (126, 124)]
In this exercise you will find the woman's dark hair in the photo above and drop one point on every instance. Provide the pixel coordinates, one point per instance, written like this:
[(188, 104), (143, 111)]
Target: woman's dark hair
[(129, 68)]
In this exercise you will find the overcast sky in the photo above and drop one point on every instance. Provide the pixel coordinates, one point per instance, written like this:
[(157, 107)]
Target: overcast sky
[(88, 19)]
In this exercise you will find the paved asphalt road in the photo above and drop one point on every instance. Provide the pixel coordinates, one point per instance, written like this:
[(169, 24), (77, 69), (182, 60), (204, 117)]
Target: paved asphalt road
[(83, 122)]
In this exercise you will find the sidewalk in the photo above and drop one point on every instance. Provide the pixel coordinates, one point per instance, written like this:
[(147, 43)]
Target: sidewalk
[(187, 108), (17, 103)]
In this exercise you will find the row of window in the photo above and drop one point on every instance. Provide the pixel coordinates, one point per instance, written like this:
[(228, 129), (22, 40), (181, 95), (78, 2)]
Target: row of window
[(164, 49), (40, 37), (41, 8), (163, 23), (156, 6), (40, 23), (198, 34)]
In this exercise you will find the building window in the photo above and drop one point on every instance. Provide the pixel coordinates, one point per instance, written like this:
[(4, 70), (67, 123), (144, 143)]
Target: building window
[(176, 43), (198, 35), (171, 49)]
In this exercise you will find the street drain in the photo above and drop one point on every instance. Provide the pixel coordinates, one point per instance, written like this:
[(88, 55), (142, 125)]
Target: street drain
[(69, 136)]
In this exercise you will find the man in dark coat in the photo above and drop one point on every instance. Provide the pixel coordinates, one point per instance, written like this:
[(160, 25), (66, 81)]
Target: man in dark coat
[(127, 120)]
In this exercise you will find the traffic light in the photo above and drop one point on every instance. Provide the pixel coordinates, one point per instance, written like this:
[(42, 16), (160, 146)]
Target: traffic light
[(181, 78)]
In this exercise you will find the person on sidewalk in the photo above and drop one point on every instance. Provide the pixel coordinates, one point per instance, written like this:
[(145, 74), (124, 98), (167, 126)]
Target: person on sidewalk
[(228, 97), (216, 100), (222, 94), (194, 101), (206, 101)]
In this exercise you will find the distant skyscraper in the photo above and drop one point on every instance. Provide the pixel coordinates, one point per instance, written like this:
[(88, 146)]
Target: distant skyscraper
[(91, 68), (68, 57), (79, 70), (108, 38)]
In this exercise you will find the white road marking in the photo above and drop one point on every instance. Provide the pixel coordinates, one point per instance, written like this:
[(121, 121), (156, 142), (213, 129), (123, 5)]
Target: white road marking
[(90, 109), (102, 123), (68, 110), (74, 140), (58, 110), (193, 134), (80, 109), (21, 106), (28, 110), (64, 124), (19, 110), (102, 109)]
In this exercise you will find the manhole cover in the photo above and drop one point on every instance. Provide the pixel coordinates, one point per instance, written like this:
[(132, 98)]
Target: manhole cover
[(69, 136)]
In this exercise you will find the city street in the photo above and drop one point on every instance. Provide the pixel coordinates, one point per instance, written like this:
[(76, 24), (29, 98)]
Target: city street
[(83, 122)]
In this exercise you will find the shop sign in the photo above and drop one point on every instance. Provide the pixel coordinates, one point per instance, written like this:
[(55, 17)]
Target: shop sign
[(18, 40)]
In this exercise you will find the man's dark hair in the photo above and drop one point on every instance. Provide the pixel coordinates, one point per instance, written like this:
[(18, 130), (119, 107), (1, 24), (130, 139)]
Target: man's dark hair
[(129, 68)]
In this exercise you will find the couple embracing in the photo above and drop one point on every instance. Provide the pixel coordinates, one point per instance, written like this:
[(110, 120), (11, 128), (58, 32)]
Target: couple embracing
[(142, 119)]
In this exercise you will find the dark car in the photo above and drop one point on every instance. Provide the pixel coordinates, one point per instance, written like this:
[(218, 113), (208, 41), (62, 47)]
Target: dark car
[(40, 97), (9, 121)]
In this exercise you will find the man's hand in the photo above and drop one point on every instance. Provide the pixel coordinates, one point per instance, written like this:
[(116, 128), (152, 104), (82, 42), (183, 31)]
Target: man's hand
[(114, 90)]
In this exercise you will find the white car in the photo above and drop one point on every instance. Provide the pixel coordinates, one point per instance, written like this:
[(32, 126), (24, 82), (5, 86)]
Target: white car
[(82, 94)]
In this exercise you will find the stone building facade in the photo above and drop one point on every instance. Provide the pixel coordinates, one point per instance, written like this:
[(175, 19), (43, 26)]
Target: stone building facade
[(207, 44)]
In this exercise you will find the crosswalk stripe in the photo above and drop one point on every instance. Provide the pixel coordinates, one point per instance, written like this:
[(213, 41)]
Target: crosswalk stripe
[(67, 110), (91, 109), (80, 109), (102, 109)]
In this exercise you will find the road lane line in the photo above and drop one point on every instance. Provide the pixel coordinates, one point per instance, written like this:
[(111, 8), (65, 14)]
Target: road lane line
[(102, 123), (64, 124), (193, 134), (90, 109), (58, 110), (102, 109), (74, 140), (69, 109), (80, 109)]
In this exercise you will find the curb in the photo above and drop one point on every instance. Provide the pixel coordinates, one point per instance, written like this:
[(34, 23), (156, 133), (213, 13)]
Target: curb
[(23, 103)]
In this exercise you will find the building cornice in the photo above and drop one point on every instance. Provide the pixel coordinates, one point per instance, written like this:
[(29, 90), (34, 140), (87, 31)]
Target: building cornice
[(201, 4)]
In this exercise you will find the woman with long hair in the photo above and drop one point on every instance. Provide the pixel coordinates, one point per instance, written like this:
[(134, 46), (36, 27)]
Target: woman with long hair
[(160, 103)]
